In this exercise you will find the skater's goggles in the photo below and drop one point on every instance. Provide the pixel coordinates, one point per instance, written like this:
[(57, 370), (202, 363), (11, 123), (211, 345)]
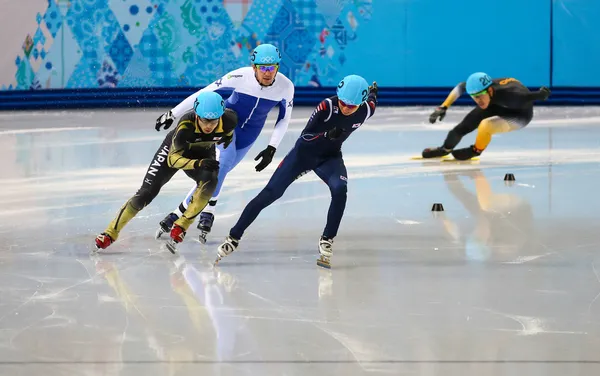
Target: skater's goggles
[(479, 94), (348, 106), (267, 68), (209, 122)]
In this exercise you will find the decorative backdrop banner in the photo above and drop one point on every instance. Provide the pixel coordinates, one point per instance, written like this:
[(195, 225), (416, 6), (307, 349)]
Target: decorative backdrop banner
[(97, 44)]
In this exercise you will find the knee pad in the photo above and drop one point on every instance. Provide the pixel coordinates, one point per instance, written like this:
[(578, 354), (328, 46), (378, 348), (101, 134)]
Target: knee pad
[(143, 197)]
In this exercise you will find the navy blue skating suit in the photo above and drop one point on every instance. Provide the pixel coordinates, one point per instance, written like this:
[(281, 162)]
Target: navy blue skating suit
[(318, 149)]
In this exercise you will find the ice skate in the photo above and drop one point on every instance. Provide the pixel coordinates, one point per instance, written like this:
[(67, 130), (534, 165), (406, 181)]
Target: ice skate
[(205, 225), (166, 224), (103, 241), (466, 153), (435, 152), (229, 245), (326, 251), (177, 235)]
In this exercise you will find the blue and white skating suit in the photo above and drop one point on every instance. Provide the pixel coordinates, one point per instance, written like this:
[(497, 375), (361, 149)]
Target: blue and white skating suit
[(252, 102)]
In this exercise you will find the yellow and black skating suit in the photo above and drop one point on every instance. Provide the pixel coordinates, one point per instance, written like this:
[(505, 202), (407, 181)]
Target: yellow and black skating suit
[(508, 93), (510, 108), (188, 143), (182, 149)]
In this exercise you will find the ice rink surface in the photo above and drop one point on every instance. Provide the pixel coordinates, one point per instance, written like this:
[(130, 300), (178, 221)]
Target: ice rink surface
[(506, 281)]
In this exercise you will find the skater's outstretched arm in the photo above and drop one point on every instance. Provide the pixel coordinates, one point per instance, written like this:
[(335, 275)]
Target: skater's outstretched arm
[(227, 83), (223, 86), (372, 100), (285, 113), (440, 112), (455, 94), (283, 120), (518, 96)]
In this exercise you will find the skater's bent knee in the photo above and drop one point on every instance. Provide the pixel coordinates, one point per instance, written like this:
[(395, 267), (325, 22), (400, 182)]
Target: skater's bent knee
[(143, 197), (339, 188), (486, 126), (270, 195)]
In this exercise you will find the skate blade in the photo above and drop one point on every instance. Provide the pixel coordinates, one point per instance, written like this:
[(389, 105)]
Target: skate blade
[(323, 263), (474, 159), (420, 157), (158, 234), (171, 247), (217, 261), (202, 238)]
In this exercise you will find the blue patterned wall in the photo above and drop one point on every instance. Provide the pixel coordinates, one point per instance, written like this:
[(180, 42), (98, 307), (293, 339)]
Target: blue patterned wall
[(141, 43), (103, 44)]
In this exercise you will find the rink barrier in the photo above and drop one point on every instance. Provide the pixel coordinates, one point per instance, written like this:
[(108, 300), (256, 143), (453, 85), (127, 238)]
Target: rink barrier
[(304, 96)]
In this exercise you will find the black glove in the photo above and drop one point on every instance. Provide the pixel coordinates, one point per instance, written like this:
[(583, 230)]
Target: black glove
[(225, 141), (334, 133), (207, 164), (544, 93), (373, 88), (267, 157), (439, 112), (165, 120)]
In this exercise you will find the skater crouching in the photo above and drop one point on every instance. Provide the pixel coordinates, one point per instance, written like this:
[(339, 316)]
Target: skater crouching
[(503, 105)]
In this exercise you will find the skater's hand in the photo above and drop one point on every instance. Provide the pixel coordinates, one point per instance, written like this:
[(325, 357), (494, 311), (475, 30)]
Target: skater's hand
[(439, 113), (164, 120), (225, 141), (267, 157), (208, 164), (544, 93), (334, 133), (373, 88)]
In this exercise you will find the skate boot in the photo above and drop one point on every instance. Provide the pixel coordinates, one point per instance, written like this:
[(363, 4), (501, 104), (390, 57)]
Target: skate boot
[(466, 153), (166, 224), (229, 245), (435, 152), (103, 241), (204, 225), (177, 235), (326, 251)]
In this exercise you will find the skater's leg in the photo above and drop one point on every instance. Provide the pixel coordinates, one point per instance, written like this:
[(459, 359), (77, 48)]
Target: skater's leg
[(228, 159), (487, 128), (206, 183), (289, 170), (466, 126), (333, 173), (499, 124), (227, 163), (157, 175), (186, 201)]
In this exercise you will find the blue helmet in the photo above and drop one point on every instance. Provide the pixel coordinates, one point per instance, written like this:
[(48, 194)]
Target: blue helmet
[(209, 105), (353, 90), (478, 82), (265, 54)]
